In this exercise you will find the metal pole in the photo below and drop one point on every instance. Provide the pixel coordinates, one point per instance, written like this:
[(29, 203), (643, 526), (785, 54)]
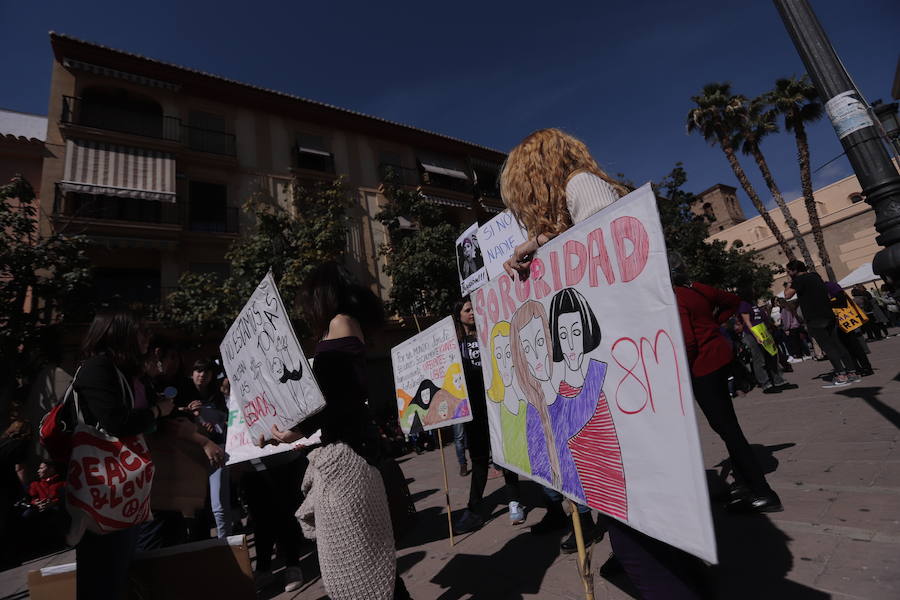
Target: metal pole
[(858, 133)]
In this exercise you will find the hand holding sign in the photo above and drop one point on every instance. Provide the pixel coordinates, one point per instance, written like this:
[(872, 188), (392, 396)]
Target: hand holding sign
[(269, 374)]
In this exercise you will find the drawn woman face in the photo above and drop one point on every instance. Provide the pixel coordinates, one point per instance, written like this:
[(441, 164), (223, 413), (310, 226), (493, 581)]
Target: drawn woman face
[(534, 345), (277, 367), (458, 380), (503, 357), (426, 396), (569, 331)]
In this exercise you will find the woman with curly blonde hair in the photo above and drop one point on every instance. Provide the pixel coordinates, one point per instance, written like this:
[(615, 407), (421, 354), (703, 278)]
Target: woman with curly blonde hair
[(550, 181)]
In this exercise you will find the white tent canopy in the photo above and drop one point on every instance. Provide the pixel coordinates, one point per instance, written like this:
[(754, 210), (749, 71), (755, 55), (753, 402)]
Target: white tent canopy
[(861, 274)]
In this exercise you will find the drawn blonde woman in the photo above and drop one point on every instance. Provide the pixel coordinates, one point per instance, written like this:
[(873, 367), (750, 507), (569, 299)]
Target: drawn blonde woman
[(504, 391)]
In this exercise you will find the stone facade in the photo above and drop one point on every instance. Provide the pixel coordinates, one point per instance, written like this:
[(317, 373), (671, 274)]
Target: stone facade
[(848, 224)]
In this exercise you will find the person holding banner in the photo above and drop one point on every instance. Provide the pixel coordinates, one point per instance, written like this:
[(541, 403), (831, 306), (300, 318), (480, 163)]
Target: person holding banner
[(850, 335), (477, 432), (346, 505), (762, 346), (820, 320), (549, 182)]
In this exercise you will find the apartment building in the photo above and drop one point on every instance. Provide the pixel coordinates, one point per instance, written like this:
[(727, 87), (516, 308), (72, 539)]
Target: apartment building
[(153, 161)]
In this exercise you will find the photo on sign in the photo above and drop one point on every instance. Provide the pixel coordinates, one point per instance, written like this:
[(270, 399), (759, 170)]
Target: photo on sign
[(587, 380), (428, 377), (469, 261), (270, 377)]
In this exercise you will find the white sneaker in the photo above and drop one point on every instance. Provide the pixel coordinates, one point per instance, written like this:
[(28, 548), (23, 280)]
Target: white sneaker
[(516, 513), (293, 579), (795, 360)]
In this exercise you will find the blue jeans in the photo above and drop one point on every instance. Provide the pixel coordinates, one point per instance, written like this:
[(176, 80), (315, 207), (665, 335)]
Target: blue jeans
[(554, 496), (459, 440), (220, 500)]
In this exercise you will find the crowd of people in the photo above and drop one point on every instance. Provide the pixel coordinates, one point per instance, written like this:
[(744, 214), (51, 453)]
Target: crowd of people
[(345, 491)]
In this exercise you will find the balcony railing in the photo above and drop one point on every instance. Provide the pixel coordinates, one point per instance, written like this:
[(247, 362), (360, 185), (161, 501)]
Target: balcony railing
[(76, 111), (416, 177), (135, 210)]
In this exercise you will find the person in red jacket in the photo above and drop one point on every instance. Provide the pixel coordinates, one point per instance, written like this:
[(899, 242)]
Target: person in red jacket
[(46, 490), (703, 310)]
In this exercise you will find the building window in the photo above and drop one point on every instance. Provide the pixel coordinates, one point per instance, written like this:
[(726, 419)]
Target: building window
[(444, 172), (208, 206), (854, 198), (708, 212), (487, 179), (311, 153), (207, 132)]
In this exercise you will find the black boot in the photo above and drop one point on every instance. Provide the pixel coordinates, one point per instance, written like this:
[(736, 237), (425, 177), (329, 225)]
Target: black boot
[(554, 520), (590, 531)]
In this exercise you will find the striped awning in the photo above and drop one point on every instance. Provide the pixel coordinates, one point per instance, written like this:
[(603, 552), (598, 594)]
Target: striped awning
[(107, 72), (111, 170)]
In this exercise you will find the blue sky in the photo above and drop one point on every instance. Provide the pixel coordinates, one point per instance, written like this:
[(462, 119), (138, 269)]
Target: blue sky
[(617, 74)]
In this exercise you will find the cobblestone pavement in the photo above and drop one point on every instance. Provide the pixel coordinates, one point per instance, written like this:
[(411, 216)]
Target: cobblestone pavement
[(832, 455)]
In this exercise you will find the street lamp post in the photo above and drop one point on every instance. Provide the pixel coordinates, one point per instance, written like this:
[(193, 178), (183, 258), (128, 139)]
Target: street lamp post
[(854, 126)]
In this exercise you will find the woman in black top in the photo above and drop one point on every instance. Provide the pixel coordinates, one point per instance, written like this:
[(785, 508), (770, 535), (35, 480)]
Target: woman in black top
[(115, 343), (339, 312)]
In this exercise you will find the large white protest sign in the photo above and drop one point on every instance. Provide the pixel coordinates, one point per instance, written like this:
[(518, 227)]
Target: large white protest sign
[(585, 360), (498, 239), (428, 377), (239, 444), (270, 377), (469, 261)]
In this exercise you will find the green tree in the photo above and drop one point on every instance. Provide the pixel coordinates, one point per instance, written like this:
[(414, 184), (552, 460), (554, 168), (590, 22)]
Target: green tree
[(291, 240), (52, 272), (716, 118), (420, 259), (709, 262), (798, 101), (755, 124)]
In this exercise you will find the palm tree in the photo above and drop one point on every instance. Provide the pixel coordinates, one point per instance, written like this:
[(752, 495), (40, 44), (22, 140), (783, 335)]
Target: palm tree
[(755, 124), (797, 100), (716, 117)]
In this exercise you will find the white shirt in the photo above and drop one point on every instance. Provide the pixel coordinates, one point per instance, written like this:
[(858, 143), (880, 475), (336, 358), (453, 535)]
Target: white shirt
[(586, 194)]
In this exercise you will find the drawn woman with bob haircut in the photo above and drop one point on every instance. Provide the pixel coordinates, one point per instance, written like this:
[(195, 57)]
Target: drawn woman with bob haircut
[(531, 361), (504, 392), (586, 422)]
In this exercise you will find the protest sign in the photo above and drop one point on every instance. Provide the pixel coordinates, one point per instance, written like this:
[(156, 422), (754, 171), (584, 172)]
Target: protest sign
[(469, 261), (498, 239), (269, 375), (428, 377), (585, 360), (239, 446)]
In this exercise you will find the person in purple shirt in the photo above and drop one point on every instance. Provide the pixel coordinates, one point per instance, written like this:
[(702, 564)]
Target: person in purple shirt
[(765, 364)]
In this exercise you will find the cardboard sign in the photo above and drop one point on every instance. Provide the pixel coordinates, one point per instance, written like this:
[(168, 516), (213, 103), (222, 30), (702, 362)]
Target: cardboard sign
[(428, 376), (240, 447), (498, 239), (181, 480), (585, 360), (850, 317), (269, 375), (469, 261), (212, 568)]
